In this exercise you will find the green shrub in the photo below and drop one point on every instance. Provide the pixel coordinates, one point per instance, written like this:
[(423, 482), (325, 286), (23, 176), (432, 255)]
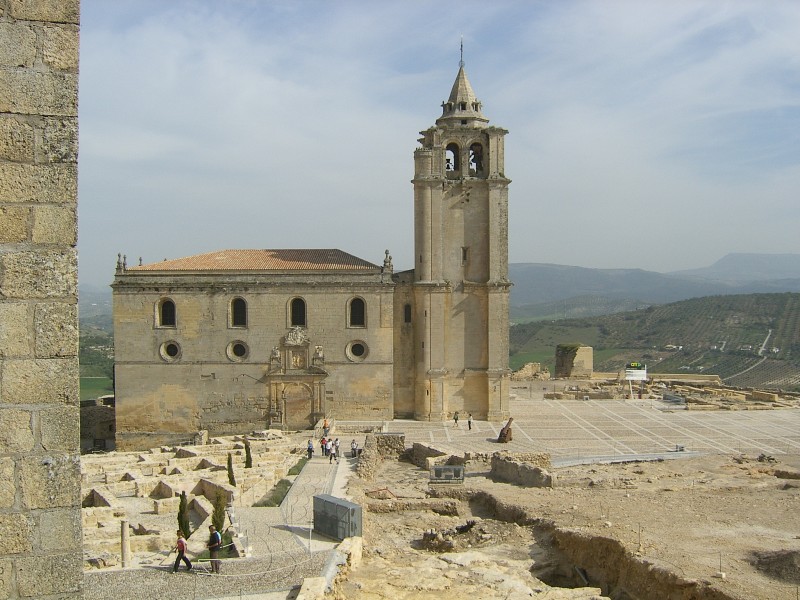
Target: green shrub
[(295, 470), (277, 494)]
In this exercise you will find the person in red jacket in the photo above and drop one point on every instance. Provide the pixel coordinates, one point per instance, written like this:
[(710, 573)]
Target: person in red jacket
[(180, 547)]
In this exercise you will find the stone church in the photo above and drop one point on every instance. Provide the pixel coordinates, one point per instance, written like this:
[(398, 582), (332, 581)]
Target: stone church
[(237, 340)]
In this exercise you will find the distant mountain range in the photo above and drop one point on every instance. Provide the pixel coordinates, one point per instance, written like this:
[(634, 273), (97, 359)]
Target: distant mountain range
[(547, 291), (539, 288)]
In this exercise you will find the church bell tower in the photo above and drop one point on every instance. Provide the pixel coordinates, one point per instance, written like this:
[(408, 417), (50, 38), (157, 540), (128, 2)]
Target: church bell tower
[(461, 285)]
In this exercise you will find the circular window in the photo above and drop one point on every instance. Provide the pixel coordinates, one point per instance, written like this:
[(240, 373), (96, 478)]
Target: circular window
[(357, 351), (237, 351), (170, 351)]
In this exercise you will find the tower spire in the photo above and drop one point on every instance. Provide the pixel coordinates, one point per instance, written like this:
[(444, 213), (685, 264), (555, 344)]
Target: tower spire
[(461, 62)]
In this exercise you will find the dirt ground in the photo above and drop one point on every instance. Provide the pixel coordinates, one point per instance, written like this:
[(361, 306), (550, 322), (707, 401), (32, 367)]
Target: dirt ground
[(716, 527)]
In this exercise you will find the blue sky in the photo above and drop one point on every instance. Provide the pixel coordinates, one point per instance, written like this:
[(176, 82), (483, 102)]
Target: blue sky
[(659, 135)]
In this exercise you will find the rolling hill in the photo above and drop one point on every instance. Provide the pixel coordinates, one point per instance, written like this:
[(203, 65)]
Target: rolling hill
[(749, 340), (538, 287)]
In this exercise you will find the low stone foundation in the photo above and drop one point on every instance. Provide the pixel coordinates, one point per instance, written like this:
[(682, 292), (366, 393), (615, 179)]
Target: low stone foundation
[(526, 469)]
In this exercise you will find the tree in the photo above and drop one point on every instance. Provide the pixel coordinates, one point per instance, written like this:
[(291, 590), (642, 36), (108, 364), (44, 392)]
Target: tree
[(218, 516), (231, 478), (183, 516), (248, 456)]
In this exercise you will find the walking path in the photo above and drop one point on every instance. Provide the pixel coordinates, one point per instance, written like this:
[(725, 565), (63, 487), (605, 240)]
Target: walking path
[(282, 550)]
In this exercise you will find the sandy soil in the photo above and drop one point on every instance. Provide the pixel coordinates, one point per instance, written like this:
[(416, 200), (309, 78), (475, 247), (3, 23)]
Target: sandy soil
[(660, 530)]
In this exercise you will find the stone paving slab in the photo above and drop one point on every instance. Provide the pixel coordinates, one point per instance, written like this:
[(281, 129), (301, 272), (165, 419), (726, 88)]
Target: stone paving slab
[(586, 428)]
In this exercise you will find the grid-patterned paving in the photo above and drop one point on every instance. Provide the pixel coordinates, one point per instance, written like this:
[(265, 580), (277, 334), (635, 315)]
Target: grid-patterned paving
[(570, 429)]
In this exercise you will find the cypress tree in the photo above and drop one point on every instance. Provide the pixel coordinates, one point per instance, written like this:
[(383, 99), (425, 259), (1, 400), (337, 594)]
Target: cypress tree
[(218, 516), (231, 478), (183, 516)]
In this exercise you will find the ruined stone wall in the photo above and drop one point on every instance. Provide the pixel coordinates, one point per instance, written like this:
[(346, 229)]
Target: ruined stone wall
[(574, 360), (377, 448), (40, 526), (523, 469), (420, 453)]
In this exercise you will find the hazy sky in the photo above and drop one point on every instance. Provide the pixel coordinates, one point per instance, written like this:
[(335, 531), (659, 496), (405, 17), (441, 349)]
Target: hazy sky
[(643, 134)]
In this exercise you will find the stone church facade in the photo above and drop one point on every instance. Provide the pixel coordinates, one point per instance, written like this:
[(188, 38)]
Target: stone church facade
[(237, 340)]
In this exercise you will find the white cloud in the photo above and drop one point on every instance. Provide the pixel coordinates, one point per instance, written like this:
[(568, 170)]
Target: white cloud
[(650, 134)]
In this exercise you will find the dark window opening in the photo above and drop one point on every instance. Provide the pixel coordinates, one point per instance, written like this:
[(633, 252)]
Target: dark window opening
[(463, 105), (476, 159), (239, 312), (166, 314), (172, 350), (358, 349), (464, 255), (358, 313), (239, 350), (407, 313), (451, 158), (298, 312)]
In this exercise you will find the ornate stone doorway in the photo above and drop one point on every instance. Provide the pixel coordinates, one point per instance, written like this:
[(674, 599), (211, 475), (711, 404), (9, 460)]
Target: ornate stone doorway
[(298, 405)]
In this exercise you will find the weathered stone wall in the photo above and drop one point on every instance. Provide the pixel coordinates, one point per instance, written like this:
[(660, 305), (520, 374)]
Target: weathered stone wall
[(40, 526), (420, 453), (97, 427), (163, 400), (376, 449), (523, 469), (574, 360)]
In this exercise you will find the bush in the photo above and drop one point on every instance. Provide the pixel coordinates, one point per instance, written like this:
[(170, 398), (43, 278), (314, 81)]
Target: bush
[(277, 494), (295, 470)]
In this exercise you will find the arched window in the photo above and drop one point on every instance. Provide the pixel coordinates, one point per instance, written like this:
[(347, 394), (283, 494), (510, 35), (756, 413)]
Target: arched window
[(476, 159), (297, 311), (358, 313), (166, 313), (452, 160), (238, 312), (407, 313)]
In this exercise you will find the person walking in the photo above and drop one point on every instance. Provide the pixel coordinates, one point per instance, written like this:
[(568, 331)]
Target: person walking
[(324, 443), (332, 453), (214, 545), (354, 448), (469, 422), (328, 448), (180, 548), (455, 419), (310, 448)]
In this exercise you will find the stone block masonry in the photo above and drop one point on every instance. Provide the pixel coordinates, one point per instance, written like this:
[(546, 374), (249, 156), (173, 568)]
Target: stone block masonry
[(40, 526)]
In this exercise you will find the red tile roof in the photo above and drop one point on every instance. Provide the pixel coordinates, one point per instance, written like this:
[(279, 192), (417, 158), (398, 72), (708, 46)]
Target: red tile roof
[(264, 260)]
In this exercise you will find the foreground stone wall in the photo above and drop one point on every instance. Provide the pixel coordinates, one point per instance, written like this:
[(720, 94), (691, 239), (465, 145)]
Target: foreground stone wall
[(523, 469), (40, 527)]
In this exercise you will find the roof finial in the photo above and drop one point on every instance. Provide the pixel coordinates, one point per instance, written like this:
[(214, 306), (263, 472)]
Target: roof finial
[(461, 62)]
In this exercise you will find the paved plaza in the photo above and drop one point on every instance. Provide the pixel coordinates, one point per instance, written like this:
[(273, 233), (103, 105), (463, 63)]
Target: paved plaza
[(578, 430)]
